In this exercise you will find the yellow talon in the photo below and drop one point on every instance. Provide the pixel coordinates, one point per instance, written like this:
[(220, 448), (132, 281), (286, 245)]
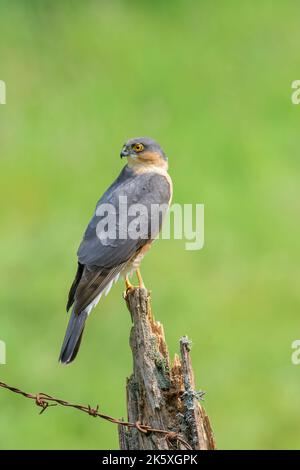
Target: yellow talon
[(128, 285)]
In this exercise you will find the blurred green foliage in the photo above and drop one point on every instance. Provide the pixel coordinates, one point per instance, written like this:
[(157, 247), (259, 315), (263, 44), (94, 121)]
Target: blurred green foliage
[(211, 81)]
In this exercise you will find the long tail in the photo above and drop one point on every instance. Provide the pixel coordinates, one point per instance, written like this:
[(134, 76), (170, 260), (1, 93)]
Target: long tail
[(73, 337), (85, 293)]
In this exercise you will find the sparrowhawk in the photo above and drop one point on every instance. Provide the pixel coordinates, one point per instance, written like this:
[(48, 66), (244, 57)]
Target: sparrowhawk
[(143, 182)]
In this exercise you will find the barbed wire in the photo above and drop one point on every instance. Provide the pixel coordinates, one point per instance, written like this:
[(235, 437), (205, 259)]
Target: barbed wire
[(44, 401)]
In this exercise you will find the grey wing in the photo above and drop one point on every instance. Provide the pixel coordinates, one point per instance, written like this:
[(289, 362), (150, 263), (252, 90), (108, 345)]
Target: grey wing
[(100, 259), (149, 190)]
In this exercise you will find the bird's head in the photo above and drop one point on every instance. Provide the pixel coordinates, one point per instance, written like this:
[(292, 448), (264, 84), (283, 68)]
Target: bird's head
[(143, 152)]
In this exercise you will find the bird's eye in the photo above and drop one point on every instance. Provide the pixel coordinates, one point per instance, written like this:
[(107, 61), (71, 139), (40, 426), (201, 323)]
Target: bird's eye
[(138, 147)]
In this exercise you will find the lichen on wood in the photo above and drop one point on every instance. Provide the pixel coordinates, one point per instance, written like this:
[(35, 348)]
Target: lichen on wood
[(160, 394)]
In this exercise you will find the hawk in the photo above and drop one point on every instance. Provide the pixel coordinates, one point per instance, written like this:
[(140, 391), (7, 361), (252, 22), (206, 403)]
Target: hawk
[(106, 252)]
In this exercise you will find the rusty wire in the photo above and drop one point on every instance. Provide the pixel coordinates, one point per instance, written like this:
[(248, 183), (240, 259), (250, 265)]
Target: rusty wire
[(44, 401)]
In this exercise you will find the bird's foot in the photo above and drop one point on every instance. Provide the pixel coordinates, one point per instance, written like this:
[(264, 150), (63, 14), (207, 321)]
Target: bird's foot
[(128, 286)]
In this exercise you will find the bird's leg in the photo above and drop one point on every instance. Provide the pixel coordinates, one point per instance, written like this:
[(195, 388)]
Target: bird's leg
[(140, 279), (128, 284)]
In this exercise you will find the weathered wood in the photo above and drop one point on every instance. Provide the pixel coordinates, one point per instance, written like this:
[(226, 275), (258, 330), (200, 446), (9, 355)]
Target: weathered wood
[(160, 394)]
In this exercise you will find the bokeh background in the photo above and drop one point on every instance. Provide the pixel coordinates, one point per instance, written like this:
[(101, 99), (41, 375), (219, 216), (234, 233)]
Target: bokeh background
[(211, 81)]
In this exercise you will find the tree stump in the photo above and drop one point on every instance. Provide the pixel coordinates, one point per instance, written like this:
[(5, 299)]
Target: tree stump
[(160, 394)]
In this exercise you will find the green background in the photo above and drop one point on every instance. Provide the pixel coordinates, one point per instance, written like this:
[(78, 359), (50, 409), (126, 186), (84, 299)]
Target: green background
[(211, 81)]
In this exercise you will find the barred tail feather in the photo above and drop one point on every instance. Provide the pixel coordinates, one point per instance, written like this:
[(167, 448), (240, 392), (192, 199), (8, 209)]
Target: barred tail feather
[(85, 293), (73, 337)]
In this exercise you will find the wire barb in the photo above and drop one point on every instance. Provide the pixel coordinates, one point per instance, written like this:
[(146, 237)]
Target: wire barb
[(44, 401)]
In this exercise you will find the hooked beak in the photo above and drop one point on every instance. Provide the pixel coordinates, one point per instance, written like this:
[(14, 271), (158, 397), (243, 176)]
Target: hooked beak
[(124, 153)]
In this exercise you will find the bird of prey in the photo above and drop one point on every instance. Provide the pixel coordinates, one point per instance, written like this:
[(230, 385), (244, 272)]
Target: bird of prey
[(103, 255)]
